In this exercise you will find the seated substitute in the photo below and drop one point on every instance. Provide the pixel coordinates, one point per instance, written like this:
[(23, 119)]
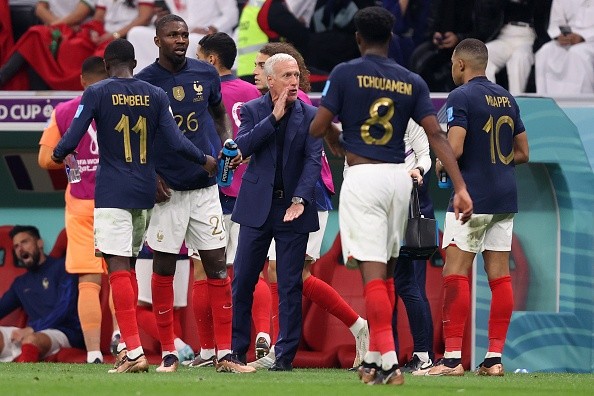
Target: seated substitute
[(48, 295)]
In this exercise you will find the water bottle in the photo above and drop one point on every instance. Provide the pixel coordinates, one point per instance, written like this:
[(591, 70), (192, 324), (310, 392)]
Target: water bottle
[(444, 180), (72, 169), (225, 175)]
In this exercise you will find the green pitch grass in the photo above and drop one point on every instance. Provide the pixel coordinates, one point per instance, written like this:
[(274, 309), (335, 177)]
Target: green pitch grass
[(48, 379)]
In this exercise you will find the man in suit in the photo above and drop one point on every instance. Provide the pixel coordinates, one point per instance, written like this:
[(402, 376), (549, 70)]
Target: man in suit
[(276, 200)]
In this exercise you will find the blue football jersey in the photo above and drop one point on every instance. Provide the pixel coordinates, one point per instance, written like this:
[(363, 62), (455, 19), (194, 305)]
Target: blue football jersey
[(191, 91), (130, 115), (374, 98), (491, 118)]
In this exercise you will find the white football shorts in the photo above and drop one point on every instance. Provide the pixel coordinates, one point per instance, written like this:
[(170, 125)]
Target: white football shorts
[(120, 231), (482, 232), (373, 212), (194, 216)]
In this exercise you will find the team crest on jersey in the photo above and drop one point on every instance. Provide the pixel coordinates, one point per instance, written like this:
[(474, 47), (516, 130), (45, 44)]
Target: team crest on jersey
[(160, 236), (179, 93), (199, 91), (45, 283)]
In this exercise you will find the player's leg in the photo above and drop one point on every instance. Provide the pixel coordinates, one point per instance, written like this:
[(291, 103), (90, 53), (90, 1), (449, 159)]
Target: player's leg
[(165, 235), (206, 233), (496, 256), (462, 243), (374, 201), (81, 260), (118, 235), (202, 316)]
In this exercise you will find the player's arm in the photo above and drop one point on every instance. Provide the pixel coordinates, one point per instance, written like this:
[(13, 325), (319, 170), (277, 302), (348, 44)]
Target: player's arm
[(322, 126), (521, 150), (221, 121), (456, 136), (78, 128), (49, 140)]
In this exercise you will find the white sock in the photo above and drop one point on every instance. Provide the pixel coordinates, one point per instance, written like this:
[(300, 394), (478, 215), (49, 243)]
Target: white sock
[(266, 336), (453, 355), (423, 356), (92, 355), (389, 359), (179, 344), (121, 346), (135, 353), (357, 326), (221, 353), (373, 357), (115, 332), (492, 355), (207, 353)]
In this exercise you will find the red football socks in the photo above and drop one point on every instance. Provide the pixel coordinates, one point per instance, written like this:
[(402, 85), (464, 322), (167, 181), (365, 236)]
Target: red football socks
[(203, 314), (221, 303), (327, 298), (125, 307), (456, 305), (29, 354), (162, 292), (391, 292), (502, 305), (262, 307), (379, 316)]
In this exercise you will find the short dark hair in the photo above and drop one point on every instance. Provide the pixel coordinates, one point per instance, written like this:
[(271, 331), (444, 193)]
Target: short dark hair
[(93, 65), (222, 45), (31, 230), (274, 48), (119, 51), (374, 24), (473, 50), (161, 22)]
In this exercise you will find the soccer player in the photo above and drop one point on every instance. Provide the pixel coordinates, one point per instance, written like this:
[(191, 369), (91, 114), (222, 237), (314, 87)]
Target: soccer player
[(313, 288), (131, 116), (489, 139), (188, 206), (80, 253), (220, 50), (374, 98), (47, 294)]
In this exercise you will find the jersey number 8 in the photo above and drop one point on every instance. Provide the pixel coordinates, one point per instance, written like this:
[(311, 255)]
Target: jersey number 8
[(377, 119)]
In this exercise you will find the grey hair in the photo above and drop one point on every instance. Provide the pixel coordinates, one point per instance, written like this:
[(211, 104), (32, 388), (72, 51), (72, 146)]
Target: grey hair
[(273, 60)]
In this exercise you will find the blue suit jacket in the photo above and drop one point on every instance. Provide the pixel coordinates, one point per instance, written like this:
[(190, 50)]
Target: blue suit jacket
[(301, 163)]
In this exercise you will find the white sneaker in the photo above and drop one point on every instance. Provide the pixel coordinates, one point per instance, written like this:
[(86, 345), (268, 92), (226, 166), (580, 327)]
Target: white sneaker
[(361, 345), (264, 362)]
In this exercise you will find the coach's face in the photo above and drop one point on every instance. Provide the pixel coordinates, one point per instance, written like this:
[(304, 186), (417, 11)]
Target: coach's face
[(284, 80), (28, 249), (173, 40)]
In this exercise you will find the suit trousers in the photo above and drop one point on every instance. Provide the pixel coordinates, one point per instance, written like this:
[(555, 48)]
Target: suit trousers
[(249, 261)]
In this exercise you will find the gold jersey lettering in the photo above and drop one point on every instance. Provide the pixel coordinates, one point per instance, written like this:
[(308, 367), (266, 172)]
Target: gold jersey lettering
[(384, 84)]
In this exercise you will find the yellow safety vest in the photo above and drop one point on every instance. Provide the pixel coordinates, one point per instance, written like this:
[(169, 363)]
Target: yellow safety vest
[(250, 38)]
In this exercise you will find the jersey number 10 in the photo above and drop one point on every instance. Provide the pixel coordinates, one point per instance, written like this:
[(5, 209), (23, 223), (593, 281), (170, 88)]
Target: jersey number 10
[(494, 135)]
